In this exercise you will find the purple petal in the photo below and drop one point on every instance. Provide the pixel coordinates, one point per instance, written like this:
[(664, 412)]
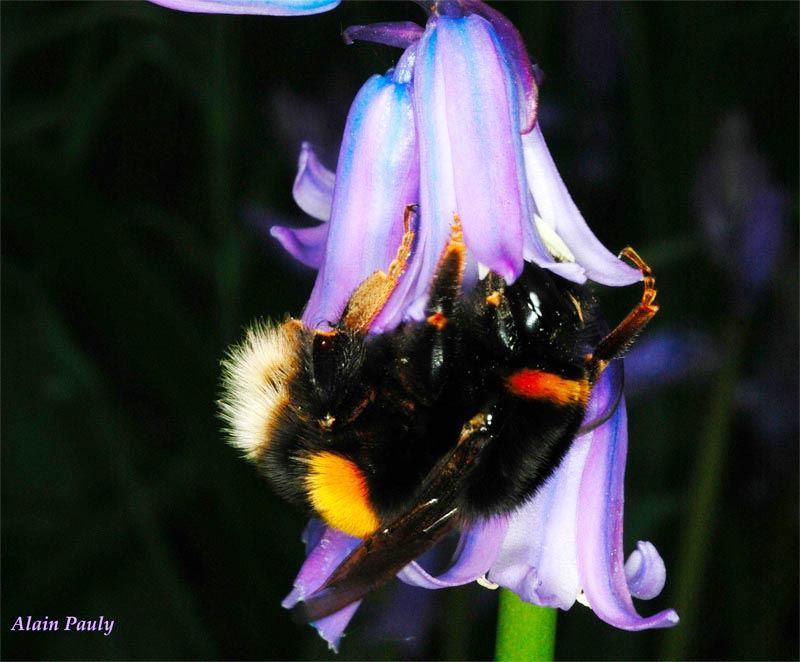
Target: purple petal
[(333, 547), (557, 209), (313, 533), (477, 551), (470, 150), (437, 191), (485, 147), (600, 510), (761, 237), (331, 628), (377, 176), (400, 34), (517, 56), (307, 245), (539, 560), (471, 154), (645, 571), (313, 185), (534, 250), (272, 7), (605, 397)]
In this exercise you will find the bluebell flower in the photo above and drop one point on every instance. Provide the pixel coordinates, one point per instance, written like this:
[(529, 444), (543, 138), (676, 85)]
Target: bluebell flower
[(669, 357), (450, 127), (741, 210), (453, 127), (743, 214)]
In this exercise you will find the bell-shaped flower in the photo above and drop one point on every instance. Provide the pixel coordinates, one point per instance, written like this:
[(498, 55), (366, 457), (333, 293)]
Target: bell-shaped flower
[(562, 546), (566, 543), (453, 128), (456, 106), (469, 108), (376, 177), (741, 210)]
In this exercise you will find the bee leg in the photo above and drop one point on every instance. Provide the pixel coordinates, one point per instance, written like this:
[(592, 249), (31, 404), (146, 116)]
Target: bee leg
[(495, 314), (430, 349), (338, 352), (371, 296), (446, 285), (619, 340)]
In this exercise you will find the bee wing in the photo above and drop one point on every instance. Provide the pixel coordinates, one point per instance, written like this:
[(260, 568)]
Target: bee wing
[(379, 558), (387, 551)]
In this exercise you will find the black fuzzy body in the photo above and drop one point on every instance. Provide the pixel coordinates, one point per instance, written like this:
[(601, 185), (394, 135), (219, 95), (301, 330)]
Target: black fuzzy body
[(400, 400)]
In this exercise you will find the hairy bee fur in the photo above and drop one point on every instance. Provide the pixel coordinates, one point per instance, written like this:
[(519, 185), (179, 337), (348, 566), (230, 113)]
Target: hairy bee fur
[(400, 437), (255, 378)]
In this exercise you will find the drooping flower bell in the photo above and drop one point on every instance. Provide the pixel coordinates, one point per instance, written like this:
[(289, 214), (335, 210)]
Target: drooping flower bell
[(740, 208), (453, 128), (464, 105), (420, 133)]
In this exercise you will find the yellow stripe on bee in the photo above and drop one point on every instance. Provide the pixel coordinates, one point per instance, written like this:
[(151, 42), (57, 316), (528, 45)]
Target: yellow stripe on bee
[(338, 492)]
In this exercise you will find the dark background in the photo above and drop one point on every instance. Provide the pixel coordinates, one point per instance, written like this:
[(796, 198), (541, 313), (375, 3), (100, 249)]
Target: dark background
[(144, 151)]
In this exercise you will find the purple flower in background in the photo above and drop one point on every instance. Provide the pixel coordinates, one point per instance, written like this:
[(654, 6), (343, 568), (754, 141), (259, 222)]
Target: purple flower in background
[(743, 215), (740, 209), (453, 127), (668, 357)]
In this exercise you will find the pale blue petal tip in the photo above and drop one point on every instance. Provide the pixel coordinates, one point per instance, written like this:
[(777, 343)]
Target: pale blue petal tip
[(292, 599), (645, 571), (265, 7)]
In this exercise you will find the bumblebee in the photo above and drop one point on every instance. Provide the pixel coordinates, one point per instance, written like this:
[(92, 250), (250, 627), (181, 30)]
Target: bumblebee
[(401, 437)]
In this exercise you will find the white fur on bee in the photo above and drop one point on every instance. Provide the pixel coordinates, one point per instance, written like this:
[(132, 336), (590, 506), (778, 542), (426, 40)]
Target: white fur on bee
[(255, 378)]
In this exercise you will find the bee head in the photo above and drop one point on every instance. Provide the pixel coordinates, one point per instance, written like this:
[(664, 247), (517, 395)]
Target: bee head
[(256, 375)]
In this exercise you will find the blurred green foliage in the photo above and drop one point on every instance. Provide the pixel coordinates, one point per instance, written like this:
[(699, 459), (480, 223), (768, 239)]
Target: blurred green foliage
[(136, 142)]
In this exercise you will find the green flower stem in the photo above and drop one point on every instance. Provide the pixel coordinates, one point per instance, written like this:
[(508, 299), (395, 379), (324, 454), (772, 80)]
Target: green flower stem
[(704, 491), (524, 631)]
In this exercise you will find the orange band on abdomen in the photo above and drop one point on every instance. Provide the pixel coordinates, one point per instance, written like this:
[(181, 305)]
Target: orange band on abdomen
[(540, 385), (338, 491)]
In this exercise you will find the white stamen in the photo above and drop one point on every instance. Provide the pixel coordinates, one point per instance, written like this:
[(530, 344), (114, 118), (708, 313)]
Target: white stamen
[(583, 600), (555, 244), (483, 271), (483, 581)]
